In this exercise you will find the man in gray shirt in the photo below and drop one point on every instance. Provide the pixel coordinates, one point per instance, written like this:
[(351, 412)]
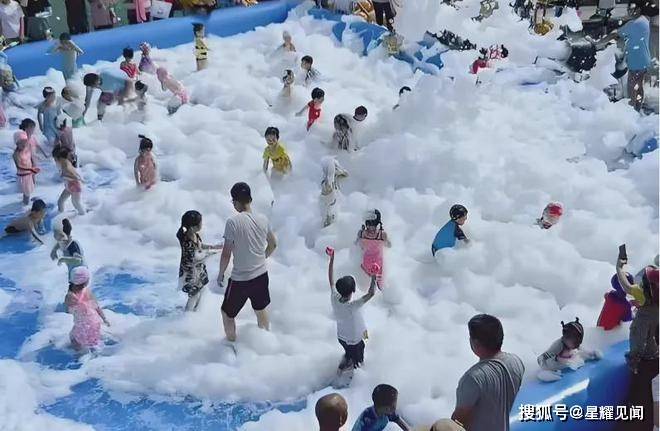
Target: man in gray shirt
[(486, 391), (249, 239)]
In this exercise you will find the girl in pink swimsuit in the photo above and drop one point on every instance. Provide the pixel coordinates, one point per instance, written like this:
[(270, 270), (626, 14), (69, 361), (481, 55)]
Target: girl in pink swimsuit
[(145, 168), (87, 315), (372, 238), (73, 181)]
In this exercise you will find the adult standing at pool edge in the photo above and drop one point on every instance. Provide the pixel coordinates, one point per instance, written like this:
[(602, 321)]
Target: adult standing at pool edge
[(249, 239)]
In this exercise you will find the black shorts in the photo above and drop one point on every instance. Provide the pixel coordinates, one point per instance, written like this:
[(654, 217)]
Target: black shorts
[(238, 292), (354, 352), (381, 9)]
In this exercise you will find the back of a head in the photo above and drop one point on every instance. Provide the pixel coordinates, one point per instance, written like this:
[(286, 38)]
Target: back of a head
[(60, 152), (189, 219), (361, 111), (65, 37), (27, 123), (145, 143), (66, 226), (307, 59), (48, 91), (197, 26), (404, 89), (141, 86), (128, 53), (240, 192), (345, 286), (384, 395), (317, 93), (487, 330), (38, 205), (90, 79), (331, 411)]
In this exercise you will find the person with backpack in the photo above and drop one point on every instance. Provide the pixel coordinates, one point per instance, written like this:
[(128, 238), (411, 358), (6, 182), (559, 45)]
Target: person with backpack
[(643, 345)]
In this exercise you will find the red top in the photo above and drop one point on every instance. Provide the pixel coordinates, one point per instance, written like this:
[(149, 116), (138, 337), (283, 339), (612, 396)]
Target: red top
[(313, 114), (478, 64), (130, 69)]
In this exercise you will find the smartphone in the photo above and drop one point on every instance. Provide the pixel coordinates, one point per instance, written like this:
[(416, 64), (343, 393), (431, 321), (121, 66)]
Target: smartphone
[(622, 252)]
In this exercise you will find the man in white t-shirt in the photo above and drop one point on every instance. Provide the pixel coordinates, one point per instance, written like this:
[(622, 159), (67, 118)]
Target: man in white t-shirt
[(11, 21), (249, 239)]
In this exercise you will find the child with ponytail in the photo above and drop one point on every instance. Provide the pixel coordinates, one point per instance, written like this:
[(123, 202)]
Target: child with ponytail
[(372, 238), (193, 276), (145, 168)]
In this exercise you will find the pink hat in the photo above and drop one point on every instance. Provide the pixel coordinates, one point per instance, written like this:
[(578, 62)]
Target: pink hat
[(79, 275)]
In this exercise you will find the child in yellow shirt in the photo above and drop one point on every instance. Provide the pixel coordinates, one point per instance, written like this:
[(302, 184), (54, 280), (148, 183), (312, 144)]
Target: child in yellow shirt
[(201, 49), (276, 152)]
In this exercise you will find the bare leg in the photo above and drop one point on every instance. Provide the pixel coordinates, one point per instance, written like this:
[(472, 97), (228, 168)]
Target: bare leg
[(62, 199), (193, 301), (230, 327), (76, 198), (262, 319)]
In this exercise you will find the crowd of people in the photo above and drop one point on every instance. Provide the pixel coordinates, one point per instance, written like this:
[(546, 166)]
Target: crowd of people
[(484, 394)]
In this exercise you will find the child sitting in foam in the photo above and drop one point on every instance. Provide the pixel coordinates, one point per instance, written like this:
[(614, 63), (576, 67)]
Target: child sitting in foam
[(565, 353)]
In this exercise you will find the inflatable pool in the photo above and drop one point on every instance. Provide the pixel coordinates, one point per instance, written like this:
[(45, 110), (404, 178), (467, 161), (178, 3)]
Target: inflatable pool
[(588, 386)]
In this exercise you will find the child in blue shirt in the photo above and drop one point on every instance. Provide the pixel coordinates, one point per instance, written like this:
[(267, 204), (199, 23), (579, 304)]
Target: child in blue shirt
[(451, 231), (376, 417)]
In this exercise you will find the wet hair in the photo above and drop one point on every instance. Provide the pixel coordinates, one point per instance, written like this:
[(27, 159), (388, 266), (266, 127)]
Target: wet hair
[(66, 226), (504, 51), (90, 79), (287, 73), (65, 36), (145, 143), (317, 93), (345, 286), (66, 90), (384, 395), (240, 192), (404, 89), (128, 53), (189, 219), (38, 205), (361, 111), (197, 26), (47, 91), (139, 86), (75, 288), (272, 131), (487, 330), (307, 59), (26, 123)]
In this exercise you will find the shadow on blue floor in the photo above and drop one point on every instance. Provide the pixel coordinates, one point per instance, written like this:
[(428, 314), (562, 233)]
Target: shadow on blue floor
[(147, 415)]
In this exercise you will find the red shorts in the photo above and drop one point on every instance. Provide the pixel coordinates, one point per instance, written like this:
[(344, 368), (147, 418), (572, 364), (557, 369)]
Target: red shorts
[(238, 292)]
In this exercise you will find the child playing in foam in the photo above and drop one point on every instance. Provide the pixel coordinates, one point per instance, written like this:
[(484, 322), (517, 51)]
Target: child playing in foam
[(73, 181), (70, 52), (287, 45), (451, 231), (24, 159), (332, 172), (372, 238), (313, 108), (616, 308), (193, 276), (309, 73), (201, 49), (72, 254), (47, 111), (130, 69), (565, 353), (87, 315), (31, 222), (276, 152), (180, 95), (288, 80), (145, 167), (345, 136), (64, 138), (383, 411), (351, 329), (114, 85), (551, 215), (73, 107), (146, 64)]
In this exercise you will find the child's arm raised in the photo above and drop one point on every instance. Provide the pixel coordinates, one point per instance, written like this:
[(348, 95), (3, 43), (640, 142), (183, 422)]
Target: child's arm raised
[(331, 267), (621, 275)]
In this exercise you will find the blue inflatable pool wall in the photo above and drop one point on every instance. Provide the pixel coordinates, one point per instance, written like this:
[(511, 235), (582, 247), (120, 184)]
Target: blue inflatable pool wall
[(33, 59), (590, 385)]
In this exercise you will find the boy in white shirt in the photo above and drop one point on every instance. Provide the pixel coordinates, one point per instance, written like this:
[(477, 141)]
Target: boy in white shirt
[(12, 21), (351, 329)]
